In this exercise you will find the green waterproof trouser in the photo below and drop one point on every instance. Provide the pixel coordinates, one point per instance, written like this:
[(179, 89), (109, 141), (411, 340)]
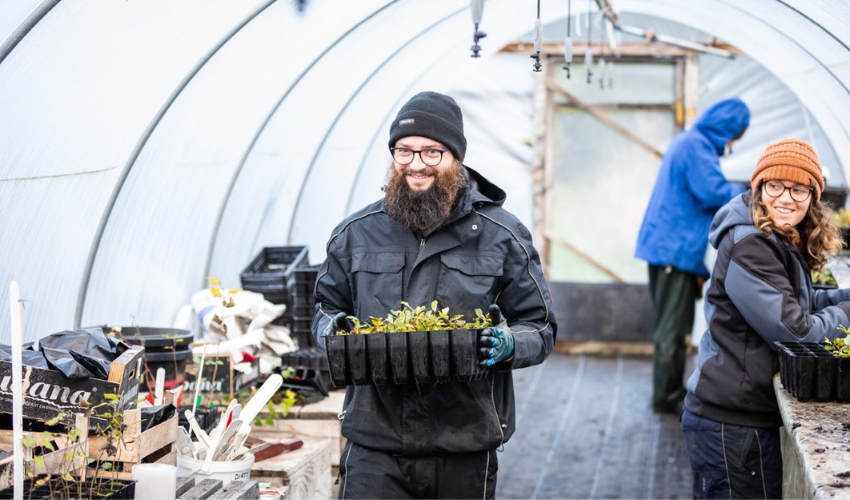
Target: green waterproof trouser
[(673, 295)]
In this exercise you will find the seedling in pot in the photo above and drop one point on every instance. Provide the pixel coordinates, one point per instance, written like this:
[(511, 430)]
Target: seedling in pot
[(839, 347), (417, 319)]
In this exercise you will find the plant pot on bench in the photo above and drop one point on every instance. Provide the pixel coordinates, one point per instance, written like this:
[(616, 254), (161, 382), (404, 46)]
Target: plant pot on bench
[(809, 371)]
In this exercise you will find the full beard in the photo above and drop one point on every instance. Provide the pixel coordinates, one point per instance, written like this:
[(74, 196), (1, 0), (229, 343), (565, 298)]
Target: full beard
[(423, 211)]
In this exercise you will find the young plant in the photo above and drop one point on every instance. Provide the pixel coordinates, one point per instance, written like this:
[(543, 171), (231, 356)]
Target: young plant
[(417, 319), (57, 474), (842, 218), (216, 290), (823, 277), (226, 296), (839, 347), (279, 407)]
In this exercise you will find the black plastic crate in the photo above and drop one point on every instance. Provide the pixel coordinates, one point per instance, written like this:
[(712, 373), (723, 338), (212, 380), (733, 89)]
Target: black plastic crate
[(301, 288), (809, 371), (270, 271), (301, 323), (306, 273), (313, 358)]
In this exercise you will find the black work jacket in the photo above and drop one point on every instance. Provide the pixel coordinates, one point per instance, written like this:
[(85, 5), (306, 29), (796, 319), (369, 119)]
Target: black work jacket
[(484, 255)]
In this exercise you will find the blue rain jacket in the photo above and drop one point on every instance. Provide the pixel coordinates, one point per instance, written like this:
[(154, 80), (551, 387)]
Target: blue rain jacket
[(690, 188)]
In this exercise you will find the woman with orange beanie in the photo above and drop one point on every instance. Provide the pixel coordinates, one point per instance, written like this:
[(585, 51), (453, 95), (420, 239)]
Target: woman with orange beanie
[(768, 241)]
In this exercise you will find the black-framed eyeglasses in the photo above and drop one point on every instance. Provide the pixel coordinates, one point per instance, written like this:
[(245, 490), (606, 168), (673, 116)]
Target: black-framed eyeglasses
[(798, 192), (429, 156)]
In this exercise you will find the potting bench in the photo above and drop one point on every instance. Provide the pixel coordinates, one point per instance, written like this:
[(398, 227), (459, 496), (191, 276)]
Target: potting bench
[(319, 420), (305, 471), (815, 447)]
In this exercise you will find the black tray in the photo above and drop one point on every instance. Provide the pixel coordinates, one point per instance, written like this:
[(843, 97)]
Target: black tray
[(809, 371), (426, 358)]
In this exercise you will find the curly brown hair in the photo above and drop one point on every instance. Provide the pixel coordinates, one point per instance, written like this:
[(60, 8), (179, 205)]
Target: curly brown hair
[(819, 234)]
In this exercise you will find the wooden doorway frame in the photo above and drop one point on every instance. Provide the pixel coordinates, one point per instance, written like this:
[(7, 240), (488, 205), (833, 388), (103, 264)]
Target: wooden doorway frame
[(684, 107)]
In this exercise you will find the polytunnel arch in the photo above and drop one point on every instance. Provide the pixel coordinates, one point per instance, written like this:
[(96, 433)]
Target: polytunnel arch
[(49, 278)]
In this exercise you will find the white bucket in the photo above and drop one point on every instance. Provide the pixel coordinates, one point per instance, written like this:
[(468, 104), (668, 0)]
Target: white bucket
[(234, 470)]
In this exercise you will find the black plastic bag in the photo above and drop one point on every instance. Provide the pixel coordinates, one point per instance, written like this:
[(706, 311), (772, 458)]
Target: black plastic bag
[(155, 415), (29, 357), (81, 354)]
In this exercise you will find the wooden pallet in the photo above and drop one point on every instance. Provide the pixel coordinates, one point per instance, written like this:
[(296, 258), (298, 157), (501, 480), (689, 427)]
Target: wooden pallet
[(49, 460), (154, 445)]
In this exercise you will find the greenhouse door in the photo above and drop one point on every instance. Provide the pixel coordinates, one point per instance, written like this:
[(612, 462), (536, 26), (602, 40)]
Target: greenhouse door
[(603, 149)]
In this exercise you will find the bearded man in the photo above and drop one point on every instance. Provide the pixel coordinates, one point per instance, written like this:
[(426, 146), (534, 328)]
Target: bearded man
[(440, 233)]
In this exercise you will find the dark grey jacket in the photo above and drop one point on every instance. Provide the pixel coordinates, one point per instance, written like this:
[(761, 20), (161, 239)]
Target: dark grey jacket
[(760, 292), (482, 256)]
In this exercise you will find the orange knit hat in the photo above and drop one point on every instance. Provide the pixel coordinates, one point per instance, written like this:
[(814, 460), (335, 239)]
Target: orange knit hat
[(789, 160)]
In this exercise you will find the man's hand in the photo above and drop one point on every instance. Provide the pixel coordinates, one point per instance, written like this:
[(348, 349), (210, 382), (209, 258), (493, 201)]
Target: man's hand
[(338, 322), (496, 343)]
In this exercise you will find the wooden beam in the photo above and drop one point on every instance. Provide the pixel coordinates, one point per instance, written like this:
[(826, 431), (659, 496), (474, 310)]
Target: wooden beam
[(542, 111), (591, 110), (627, 50), (587, 258), (691, 90), (625, 106)]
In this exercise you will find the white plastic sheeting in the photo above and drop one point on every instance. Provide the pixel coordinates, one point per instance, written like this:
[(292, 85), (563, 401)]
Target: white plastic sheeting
[(145, 144), (182, 176)]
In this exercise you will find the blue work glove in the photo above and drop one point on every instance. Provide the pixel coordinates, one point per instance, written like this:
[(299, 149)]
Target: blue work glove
[(338, 322), (496, 343)]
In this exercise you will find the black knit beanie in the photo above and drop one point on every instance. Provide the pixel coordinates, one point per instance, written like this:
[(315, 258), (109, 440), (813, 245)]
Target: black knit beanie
[(432, 115)]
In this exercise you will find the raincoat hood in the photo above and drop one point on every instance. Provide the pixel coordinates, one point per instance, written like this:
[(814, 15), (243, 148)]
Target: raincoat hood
[(723, 121)]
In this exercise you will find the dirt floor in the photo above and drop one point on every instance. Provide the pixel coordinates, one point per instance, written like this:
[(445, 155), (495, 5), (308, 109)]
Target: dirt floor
[(585, 429)]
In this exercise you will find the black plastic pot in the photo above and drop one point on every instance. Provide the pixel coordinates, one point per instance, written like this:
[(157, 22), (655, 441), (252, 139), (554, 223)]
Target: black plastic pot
[(335, 347), (206, 417), (118, 489), (842, 380), (166, 348), (822, 286), (465, 355), (355, 355), (399, 357), (804, 368), (174, 364), (420, 357), (154, 339), (378, 353), (826, 365), (440, 355)]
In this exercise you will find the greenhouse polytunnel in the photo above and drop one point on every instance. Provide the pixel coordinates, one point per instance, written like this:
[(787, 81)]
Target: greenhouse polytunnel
[(148, 145)]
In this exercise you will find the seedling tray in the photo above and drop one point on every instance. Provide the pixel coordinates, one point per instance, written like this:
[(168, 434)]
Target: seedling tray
[(425, 358), (809, 371), (271, 269)]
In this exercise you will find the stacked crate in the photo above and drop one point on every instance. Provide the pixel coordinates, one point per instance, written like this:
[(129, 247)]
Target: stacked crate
[(302, 305), (270, 272)]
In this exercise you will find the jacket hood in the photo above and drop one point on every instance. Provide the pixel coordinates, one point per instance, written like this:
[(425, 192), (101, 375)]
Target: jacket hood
[(723, 121), (484, 191), (734, 213)]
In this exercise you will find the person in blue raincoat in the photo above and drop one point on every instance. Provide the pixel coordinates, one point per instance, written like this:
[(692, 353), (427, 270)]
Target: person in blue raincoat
[(673, 237)]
